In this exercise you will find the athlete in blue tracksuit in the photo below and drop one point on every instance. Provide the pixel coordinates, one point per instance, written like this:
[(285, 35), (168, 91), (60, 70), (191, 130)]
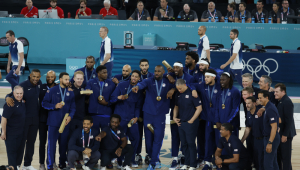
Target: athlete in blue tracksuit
[(126, 70), (99, 104), (228, 105), (191, 66), (210, 92), (88, 70), (155, 109), (59, 101), (128, 106)]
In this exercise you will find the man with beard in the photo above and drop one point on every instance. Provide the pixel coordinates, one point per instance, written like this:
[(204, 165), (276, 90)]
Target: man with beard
[(229, 103), (88, 70), (124, 76), (254, 127), (209, 91), (191, 60), (178, 74), (203, 46), (158, 92), (43, 128), (145, 74), (128, 106), (31, 96), (203, 66), (58, 100), (99, 106), (60, 12)]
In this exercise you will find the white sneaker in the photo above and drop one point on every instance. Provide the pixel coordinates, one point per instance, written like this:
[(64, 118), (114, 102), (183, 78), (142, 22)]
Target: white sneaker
[(18, 167), (102, 167), (42, 167), (28, 168), (126, 168), (192, 168), (200, 164), (114, 160), (85, 167), (184, 167), (119, 166), (72, 168)]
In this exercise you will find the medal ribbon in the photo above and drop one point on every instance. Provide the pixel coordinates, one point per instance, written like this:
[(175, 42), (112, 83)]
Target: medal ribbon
[(210, 95), (158, 91), (62, 96), (101, 87), (87, 76), (88, 140), (224, 96), (115, 134)]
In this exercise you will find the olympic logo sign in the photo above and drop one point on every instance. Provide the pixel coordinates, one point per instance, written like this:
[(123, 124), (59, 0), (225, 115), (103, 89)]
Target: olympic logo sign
[(260, 66), (73, 67)]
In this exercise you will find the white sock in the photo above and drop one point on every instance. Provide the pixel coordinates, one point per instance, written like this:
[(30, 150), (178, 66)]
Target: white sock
[(208, 163), (175, 158)]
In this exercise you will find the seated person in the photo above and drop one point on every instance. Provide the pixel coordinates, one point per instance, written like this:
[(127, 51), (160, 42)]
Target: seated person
[(211, 14), (114, 144), (231, 8), (124, 76), (284, 12), (60, 12), (164, 11), (83, 10), (187, 14), (30, 11), (108, 9), (273, 13), (83, 144), (140, 13), (260, 12), (243, 13), (237, 156)]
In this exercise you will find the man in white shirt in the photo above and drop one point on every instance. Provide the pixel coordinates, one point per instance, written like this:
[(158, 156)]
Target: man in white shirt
[(203, 46), (106, 51), (236, 57)]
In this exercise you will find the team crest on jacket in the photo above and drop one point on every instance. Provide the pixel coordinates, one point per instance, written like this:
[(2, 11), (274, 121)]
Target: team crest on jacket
[(187, 96), (196, 71), (215, 91), (118, 132), (164, 85), (229, 93), (94, 76), (39, 86), (68, 94), (106, 84)]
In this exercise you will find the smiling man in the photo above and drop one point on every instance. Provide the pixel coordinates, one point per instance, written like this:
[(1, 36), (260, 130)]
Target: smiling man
[(126, 70)]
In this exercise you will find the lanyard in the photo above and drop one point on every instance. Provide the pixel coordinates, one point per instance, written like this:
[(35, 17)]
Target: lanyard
[(101, 87), (88, 140), (286, 13), (181, 77), (62, 96), (262, 14), (242, 15), (224, 96), (115, 134), (129, 89), (139, 17), (87, 76), (125, 79), (29, 10), (190, 73), (159, 91), (212, 15), (143, 77), (210, 95)]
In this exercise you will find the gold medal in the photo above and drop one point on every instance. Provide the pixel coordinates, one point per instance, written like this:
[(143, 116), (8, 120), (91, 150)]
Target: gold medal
[(62, 103), (100, 97), (223, 106), (158, 98), (126, 96), (210, 105)]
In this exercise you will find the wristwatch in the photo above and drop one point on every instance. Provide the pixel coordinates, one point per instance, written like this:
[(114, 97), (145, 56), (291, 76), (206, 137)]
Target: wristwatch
[(270, 142)]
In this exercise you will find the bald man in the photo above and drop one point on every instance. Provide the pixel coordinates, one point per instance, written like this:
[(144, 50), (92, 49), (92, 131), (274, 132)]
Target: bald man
[(187, 14), (203, 45), (30, 11), (43, 128), (212, 15), (124, 76)]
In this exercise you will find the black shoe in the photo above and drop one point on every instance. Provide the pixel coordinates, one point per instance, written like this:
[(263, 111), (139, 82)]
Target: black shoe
[(147, 159), (109, 166), (62, 166), (138, 159), (182, 160)]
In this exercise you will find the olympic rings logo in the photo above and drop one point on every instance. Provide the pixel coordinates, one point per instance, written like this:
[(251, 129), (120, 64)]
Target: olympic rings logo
[(73, 67), (260, 66)]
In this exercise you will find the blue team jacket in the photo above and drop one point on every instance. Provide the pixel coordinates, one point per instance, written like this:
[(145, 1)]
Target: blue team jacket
[(87, 75), (121, 78)]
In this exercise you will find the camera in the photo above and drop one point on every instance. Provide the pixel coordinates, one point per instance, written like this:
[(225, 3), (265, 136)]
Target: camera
[(81, 6)]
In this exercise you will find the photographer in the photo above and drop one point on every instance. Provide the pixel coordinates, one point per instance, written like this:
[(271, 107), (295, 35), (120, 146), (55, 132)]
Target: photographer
[(83, 10)]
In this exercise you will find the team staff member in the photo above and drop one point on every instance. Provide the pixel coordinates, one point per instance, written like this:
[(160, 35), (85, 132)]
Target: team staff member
[(77, 86), (128, 106), (83, 10), (210, 92), (191, 60), (158, 92), (16, 57), (106, 51), (211, 14), (260, 12), (13, 123), (88, 70), (203, 45), (60, 12), (242, 13), (43, 128), (114, 143), (265, 84), (124, 76), (287, 127), (187, 14), (59, 101), (31, 96), (271, 135), (83, 141), (284, 12), (140, 13), (99, 104), (30, 11), (254, 127), (186, 113), (237, 155), (229, 103), (163, 12), (145, 74), (236, 57), (108, 9)]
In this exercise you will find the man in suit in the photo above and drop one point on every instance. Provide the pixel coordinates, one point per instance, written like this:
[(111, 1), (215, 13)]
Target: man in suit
[(287, 127)]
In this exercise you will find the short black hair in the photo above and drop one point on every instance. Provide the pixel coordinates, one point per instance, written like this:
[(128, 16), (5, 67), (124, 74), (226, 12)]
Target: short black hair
[(63, 74), (230, 79), (36, 70), (252, 98), (100, 68), (90, 57), (281, 86), (136, 71), (261, 2), (116, 116), (244, 4), (265, 93), (160, 66), (235, 31), (88, 118), (10, 32), (194, 55), (144, 60), (228, 126), (211, 71)]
